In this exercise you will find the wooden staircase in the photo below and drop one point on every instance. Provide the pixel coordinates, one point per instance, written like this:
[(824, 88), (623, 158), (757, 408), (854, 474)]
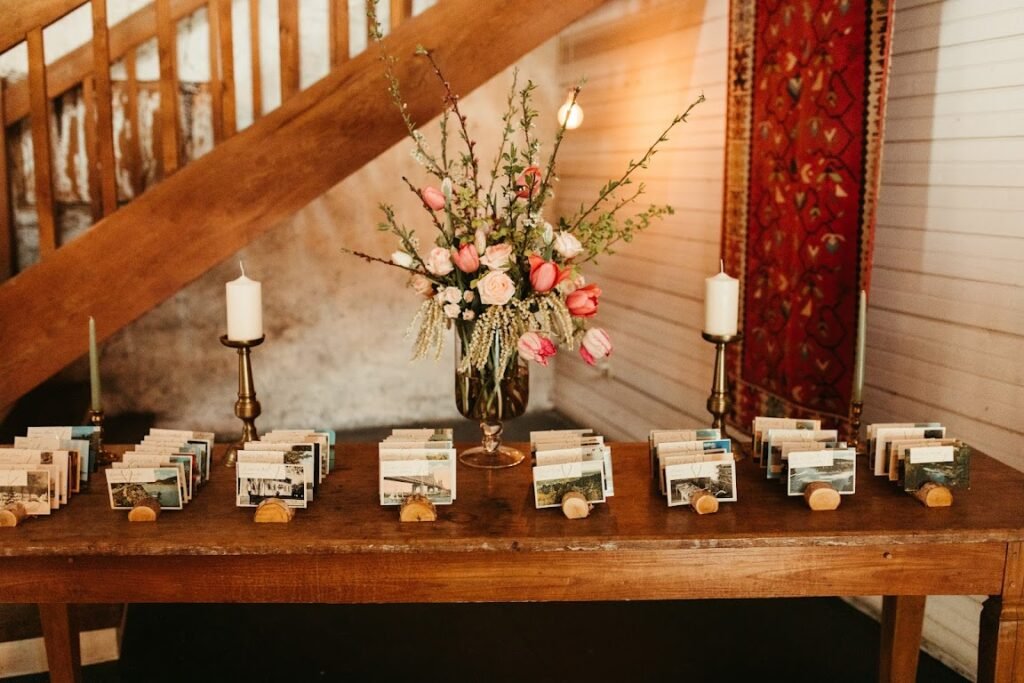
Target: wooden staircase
[(137, 255)]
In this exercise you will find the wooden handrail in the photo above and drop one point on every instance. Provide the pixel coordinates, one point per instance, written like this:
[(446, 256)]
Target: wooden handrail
[(71, 69), (250, 183), (18, 18)]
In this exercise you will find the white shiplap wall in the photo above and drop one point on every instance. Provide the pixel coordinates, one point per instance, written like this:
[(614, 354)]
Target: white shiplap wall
[(645, 62), (946, 312)]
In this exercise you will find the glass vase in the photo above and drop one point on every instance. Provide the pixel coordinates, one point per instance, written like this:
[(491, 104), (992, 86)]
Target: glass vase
[(491, 395)]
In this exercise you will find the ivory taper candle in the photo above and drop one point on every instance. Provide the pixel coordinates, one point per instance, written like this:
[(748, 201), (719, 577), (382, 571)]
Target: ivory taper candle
[(245, 308), (858, 365), (94, 368)]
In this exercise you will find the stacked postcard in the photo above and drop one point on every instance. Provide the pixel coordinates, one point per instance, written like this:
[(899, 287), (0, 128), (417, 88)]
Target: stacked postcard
[(799, 452), (47, 466), (570, 460), (417, 461), (169, 465), (911, 455), (286, 464), (684, 461)]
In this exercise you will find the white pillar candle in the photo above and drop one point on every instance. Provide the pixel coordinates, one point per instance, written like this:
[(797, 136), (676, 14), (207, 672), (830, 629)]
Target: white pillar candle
[(245, 309), (721, 304), (858, 366)]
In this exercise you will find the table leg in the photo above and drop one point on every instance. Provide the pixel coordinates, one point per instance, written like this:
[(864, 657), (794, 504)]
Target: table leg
[(1001, 642), (60, 631), (902, 620)]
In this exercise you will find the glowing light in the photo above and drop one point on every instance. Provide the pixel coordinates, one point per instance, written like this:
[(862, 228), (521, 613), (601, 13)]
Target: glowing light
[(570, 115)]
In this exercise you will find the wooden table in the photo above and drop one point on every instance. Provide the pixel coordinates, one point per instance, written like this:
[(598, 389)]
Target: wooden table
[(493, 546)]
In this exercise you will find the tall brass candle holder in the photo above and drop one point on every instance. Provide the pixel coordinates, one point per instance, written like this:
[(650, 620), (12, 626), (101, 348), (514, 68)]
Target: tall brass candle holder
[(856, 408), (719, 402), (247, 408), (103, 456)]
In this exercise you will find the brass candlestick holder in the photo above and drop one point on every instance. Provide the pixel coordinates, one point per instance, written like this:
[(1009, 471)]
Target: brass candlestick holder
[(856, 408), (247, 408), (719, 402), (103, 456)]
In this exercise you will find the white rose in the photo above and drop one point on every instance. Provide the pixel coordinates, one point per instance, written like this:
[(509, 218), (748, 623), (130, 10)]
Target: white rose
[(422, 285), (480, 240), (570, 285), (468, 314), (549, 233), (400, 258), (496, 288), (497, 256), (452, 310), (452, 295), (468, 296), (439, 261), (567, 245)]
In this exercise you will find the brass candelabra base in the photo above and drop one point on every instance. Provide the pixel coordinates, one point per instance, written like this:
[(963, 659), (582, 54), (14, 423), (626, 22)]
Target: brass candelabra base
[(103, 457), (720, 402), (856, 408), (247, 408)]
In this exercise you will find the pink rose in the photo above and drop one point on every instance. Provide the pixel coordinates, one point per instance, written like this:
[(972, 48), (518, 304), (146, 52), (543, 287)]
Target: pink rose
[(422, 285), (497, 256), (496, 288), (433, 198), (466, 258), (544, 275), (528, 182), (439, 261), (536, 347), (595, 346), (582, 303)]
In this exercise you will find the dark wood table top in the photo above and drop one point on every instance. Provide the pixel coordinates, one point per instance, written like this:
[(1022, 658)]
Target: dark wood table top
[(495, 512)]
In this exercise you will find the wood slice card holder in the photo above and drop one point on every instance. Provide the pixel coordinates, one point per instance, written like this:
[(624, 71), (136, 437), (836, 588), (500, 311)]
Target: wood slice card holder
[(575, 505), (273, 511), (821, 495), (703, 502), (13, 515), (417, 508), (145, 510), (933, 495)]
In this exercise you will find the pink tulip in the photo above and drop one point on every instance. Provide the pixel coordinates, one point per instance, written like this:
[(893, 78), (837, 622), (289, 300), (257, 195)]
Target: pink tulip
[(544, 275), (466, 258), (536, 347), (582, 303), (433, 198), (595, 346), (528, 182)]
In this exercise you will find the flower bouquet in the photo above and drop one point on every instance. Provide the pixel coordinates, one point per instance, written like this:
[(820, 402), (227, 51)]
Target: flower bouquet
[(509, 281)]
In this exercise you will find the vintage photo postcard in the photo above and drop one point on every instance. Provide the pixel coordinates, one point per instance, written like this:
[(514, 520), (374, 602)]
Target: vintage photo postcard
[(201, 447), (127, 486), (546, 435), (716, 477), (873, 428), (762, 424), (79, 448), (400, 479), (421, 454), (660, 436), (257, 481), (52, 474), (691, 457), (32, 456), (184, 462), (551, 482), (946, 465), (772, 440), (837, 467), (26, 485), (312, 436), (895, 452), (303, 459), (883, 435), (425, 434), (570, 441)]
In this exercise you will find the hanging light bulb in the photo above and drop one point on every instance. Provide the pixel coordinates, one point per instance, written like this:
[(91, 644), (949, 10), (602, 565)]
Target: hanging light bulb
[(570, 114)]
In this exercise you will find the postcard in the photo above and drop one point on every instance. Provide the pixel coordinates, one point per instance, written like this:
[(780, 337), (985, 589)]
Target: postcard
[(26, 485), (30, 456), (551, 482), (84, 433), (946, 465), (127, 486), (203, 449), (557, 435), (258, 481), (688, 457), (835, 466), (716, 477), (184, 462), (772, 440), (77, 449), (592, 453), (299, 458), (883, 435), (425, 434), (307, 435), (432, 478), (52, 474), (762, 424)]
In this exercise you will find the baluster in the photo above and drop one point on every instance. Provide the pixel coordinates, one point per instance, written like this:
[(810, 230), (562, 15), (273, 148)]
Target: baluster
[(104, 107), (216, 89), (7, 251), (227, 66), (254, 40), (339, 31), (288, 19), (400, 11), (166, 36), (132, 153), (39, 106), (91, 155)]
